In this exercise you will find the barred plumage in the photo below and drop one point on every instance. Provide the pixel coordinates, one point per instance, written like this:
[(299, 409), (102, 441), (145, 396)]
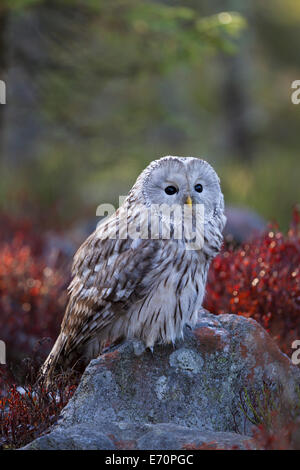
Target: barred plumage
[(142, 288)]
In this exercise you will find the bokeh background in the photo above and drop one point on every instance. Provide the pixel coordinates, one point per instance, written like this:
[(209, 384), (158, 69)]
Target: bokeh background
[(96, 89)]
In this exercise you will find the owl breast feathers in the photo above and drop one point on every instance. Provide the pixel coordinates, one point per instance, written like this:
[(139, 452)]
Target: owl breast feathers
[(128, 286)]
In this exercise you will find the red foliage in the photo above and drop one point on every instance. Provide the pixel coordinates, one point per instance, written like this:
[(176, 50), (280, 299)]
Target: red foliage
[(278, 437), (212, 445), (33, 281), (32, 290), (22, 232), (261, 280), (26, 412)]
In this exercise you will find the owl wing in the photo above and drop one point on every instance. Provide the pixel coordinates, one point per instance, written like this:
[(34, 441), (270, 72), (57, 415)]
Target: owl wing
[(108, 278)]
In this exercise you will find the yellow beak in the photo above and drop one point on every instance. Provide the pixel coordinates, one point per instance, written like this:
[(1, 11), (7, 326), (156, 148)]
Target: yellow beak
[(189, 201)]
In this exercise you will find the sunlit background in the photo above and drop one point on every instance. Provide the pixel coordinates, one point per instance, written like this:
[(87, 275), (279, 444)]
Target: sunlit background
[(96, 89)]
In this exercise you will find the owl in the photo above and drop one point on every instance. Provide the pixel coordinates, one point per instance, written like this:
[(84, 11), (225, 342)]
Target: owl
[(130, 281)]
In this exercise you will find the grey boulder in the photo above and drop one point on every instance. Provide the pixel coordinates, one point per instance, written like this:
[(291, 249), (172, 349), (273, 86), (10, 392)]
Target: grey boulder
[(182, 397)]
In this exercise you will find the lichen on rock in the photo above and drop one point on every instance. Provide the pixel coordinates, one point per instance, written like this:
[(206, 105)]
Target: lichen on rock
[(176, 397)]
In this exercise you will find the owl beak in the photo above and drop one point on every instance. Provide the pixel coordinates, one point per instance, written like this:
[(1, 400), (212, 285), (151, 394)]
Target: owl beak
[(189, 201)]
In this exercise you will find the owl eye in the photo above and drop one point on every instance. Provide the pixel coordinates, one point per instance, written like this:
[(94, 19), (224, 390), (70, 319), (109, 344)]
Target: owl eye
[(170, 190), (198, 188)]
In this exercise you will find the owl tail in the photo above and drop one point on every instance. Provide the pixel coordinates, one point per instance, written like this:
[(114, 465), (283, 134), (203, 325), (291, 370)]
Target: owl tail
[(54, 361)]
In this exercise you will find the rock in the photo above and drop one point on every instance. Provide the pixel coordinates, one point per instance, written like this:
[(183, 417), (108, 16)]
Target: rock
[(165, 436), (80, 438), (182, 397), (242, 224)]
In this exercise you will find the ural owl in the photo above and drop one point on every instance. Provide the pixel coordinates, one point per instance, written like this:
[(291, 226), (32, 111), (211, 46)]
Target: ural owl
[(144, 287)]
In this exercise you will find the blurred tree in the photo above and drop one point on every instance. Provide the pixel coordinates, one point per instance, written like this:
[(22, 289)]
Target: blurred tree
[(98, 88), (235, 93), (83, 72), (5, 7)]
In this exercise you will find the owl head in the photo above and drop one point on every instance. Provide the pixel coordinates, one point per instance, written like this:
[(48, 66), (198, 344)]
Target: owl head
[(182, 180)]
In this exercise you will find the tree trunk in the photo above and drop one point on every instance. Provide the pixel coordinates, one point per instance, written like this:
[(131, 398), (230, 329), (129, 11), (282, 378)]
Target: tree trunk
[(236, 94), (236, 109)]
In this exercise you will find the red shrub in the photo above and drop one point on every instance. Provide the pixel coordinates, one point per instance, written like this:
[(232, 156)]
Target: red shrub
[(261, 280), (278, 437), (213, 445), (21, 231), (26, 412), (32, 290)]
